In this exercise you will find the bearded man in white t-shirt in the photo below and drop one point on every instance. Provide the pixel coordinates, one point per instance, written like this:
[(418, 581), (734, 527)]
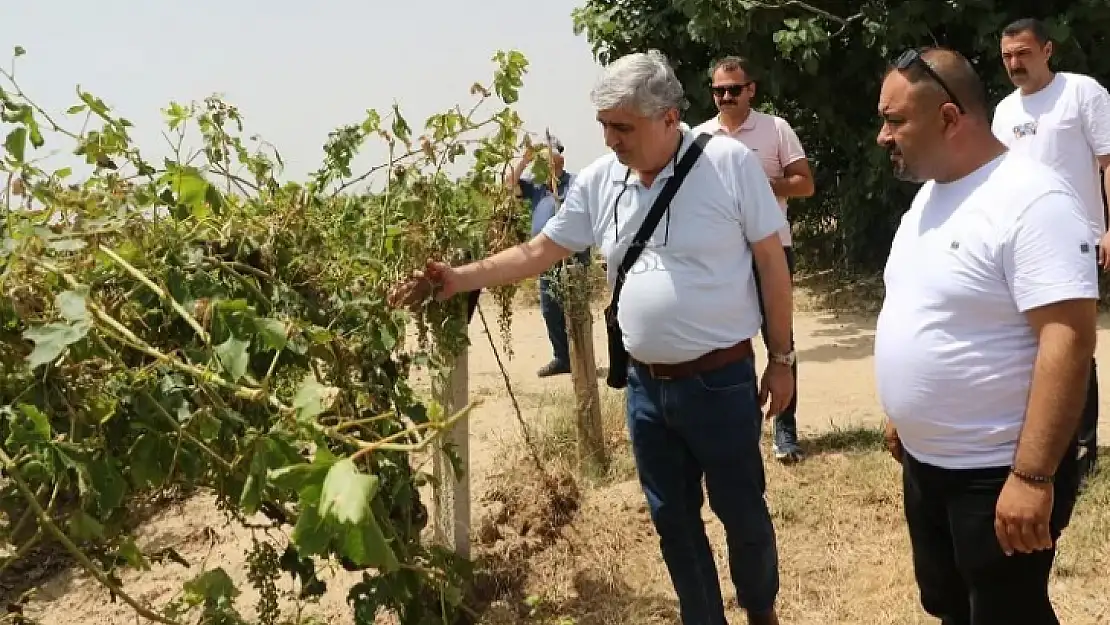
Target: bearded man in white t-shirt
[(982, 348), (1061, 119)]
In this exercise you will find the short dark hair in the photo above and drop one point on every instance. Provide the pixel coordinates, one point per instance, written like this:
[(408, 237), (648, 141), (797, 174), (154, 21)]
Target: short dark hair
[(1028, 25), (956, 71), (732, 64)]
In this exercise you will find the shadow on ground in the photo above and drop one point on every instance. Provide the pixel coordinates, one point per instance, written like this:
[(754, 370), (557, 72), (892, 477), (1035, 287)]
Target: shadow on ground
[(838, 440), (844, 336), (603, 602)]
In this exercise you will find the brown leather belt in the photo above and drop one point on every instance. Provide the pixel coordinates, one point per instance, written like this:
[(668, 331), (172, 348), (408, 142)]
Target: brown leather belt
[(706, 362)]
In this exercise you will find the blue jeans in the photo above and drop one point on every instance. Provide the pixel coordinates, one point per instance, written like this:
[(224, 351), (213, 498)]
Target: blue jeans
[(786, 423), (706, 425), (555, 320)]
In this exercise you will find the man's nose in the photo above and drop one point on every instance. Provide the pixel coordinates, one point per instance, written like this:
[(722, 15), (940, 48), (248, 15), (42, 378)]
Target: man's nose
[(883, 138), (610, 138)]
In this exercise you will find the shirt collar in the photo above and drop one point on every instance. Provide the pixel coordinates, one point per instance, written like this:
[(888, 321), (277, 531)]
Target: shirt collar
[(748, 124)]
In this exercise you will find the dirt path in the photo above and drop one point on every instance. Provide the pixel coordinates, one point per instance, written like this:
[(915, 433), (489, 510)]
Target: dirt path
[(836, 389)]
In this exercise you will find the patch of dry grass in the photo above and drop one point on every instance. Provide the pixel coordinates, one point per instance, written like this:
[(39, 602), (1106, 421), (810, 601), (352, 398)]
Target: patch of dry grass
[(557, 436), (843, 547)]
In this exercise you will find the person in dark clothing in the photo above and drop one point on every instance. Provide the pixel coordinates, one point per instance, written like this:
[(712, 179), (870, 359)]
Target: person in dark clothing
[(545, 202)]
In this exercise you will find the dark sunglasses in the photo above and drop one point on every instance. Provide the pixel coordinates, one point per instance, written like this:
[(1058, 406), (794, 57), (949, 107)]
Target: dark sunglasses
[(911, 56), (732, 90)]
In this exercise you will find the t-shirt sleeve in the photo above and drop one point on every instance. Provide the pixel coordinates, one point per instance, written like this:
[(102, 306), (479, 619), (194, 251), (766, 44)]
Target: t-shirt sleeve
[(1049, 253), (790, 147), (572, 227), (760, 214), (1095, 109)]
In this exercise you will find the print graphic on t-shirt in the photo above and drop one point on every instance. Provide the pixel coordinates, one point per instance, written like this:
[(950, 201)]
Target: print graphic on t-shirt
[(1028, 129), (1084, 248)]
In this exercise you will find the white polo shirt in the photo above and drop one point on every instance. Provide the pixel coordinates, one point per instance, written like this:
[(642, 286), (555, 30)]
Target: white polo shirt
[(954, 351), (773, 140), (1066, 126), (691, 291)]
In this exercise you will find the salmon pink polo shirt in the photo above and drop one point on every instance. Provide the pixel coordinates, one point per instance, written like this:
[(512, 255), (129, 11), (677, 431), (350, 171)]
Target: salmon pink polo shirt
[(774, 142)]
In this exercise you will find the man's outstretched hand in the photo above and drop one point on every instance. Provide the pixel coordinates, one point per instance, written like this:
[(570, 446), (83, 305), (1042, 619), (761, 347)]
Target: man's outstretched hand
[(437, 278)]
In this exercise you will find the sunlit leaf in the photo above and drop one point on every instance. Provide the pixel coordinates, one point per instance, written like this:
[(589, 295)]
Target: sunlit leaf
[(16, 143), (272, 331), (51, 340), (72, 306), (234, 357), (313, 399)]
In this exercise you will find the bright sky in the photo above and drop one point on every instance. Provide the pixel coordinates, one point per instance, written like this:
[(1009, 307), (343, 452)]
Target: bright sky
[(297, 70)]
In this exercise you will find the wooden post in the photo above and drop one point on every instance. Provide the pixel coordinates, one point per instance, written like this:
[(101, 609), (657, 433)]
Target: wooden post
[(583, 368), (452, 497)]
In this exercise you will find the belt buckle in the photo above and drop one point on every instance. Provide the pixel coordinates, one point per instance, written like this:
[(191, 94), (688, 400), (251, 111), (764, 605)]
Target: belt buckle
[(651, 370)]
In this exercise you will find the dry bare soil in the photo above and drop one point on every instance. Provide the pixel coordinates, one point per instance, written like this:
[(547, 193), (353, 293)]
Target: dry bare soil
[(843, 546)]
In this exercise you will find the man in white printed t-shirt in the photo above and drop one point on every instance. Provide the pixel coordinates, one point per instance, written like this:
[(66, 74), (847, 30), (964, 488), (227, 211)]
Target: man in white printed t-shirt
[(733, 82), (982, 348), (1063, 120), (688, 312)]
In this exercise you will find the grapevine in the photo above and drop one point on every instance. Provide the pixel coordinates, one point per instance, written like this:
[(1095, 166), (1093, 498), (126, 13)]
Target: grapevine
[(204, 323)]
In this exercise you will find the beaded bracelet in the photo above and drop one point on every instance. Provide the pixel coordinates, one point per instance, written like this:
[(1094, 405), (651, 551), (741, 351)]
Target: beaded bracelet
[(1029, 477)]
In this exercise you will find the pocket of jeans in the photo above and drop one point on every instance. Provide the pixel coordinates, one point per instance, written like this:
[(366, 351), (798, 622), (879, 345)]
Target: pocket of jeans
[(730, 378)]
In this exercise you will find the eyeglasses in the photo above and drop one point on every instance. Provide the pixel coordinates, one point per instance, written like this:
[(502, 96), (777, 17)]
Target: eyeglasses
[(911, 56), (732, 90)]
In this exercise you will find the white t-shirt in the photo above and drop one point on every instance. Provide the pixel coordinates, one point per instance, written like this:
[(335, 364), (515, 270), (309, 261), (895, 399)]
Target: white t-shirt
[(954, 351), (1066, 126), (691, 291), (776, 143)]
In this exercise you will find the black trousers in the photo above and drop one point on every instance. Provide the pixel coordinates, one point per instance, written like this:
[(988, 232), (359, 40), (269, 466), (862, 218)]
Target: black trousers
[(962, 573), (1088, 425)]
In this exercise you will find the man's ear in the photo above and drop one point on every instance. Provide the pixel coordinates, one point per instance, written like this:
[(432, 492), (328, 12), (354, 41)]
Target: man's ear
[(1048, 50), (952, 116)]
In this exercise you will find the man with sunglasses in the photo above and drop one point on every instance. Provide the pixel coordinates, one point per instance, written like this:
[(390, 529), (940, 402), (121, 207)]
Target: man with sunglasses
[(544, 202), (982, 347), (1063, 120), (784, 161)]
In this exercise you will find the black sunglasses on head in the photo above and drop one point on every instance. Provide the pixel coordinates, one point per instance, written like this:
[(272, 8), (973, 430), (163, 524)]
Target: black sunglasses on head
[(732, 90), (911, 56)]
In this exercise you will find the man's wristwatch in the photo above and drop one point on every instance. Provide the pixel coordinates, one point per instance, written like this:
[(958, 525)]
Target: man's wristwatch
[(786, 360)]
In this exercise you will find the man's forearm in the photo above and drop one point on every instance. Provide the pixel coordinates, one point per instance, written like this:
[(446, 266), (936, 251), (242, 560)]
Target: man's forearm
[(512, 265), (1056, 397), (792, 186), (515, 173)]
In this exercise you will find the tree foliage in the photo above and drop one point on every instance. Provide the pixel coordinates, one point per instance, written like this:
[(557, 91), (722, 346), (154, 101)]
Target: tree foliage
[(200, 322), (820, 65)]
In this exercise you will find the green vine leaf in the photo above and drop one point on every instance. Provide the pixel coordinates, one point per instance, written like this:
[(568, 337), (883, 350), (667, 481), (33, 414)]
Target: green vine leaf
[(234, 357), (313, 399), (273, 332), (16, 143), (212, 588), (72, 306), (345, 502), (51, 340), (347, 493)]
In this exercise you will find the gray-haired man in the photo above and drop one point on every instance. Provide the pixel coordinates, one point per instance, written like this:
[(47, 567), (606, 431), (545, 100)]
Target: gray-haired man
[(688, 311)]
